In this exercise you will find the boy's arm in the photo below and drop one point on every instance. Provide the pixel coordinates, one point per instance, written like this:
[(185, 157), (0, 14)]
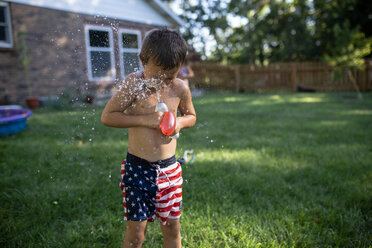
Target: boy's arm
[(190, 73), (188, 115), (113, 115)]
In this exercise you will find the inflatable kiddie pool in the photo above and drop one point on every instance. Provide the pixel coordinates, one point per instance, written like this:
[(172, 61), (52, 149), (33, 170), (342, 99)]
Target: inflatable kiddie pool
[(13, 119)]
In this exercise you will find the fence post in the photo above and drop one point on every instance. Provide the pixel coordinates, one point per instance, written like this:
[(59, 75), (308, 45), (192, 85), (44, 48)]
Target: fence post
[(237, 78), (293, 77)]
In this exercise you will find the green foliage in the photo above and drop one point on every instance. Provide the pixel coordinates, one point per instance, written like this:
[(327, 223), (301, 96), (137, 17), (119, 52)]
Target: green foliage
[(343, 40), (352, 54), (277, 30), (271, 170)]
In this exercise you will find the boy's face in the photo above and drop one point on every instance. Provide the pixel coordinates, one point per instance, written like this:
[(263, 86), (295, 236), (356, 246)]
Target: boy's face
[(158, 72)]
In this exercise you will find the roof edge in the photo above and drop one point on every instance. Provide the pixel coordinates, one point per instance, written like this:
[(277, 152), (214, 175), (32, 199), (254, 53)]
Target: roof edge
[(160, 5)]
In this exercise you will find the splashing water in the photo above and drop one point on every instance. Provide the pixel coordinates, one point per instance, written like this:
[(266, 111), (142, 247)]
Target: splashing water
[(140, 88)]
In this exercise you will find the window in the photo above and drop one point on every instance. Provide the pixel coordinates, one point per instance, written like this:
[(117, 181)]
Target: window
[(129, 48), (100, 53), (5, 26)]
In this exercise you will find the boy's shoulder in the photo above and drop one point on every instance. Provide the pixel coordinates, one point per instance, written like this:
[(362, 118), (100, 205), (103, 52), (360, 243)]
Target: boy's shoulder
[(133, 81), (180, 86), (134, 77)]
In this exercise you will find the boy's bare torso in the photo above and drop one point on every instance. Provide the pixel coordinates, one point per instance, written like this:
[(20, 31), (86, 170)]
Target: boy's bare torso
[(150, 143)]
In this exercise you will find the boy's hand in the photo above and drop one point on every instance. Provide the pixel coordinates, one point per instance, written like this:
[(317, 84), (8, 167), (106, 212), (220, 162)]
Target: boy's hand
[(154, 119), (177, 129)]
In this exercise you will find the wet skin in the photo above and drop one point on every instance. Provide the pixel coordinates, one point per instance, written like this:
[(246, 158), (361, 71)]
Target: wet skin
[(133, 107)]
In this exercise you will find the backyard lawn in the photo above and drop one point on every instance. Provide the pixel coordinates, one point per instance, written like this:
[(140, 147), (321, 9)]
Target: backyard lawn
[(271, 170)]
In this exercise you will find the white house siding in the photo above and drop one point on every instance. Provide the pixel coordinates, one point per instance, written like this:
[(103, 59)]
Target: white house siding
[(131, 10)]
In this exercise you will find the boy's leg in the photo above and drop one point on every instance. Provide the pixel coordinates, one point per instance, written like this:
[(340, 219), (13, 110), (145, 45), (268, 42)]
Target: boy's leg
[(172, 233), (135, 234)]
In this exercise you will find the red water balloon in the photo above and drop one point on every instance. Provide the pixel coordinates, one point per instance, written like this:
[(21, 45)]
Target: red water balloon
[(168, 123)]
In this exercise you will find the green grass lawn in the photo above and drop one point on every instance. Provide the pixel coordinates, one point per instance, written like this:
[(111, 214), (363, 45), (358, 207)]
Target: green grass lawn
[(271, 170)]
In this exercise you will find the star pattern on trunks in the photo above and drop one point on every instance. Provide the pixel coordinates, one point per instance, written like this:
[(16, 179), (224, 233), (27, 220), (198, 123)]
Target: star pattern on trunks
[(142, 186)]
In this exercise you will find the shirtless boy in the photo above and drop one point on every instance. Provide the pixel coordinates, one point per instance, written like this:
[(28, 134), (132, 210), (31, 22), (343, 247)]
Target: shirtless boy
[(151, 177)]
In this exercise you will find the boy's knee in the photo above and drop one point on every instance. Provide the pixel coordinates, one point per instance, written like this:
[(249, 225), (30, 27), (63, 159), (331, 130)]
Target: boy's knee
[(173, 234), (134, 236), (134, 240), (172, 230)]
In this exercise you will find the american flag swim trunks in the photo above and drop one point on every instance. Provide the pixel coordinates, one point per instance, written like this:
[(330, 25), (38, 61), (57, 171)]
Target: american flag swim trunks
[(151, 189)]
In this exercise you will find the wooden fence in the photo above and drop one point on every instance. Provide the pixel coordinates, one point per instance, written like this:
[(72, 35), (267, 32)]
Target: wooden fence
[(280, 76)]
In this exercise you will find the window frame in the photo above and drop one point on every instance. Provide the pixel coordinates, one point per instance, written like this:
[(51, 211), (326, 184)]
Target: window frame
[(89, 49), (123, 50), (7, 24)]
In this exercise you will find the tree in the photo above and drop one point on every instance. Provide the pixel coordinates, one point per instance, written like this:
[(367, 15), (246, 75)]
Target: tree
[(278, 30)]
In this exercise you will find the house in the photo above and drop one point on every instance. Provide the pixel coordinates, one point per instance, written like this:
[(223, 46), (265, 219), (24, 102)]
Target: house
[(75, 46)]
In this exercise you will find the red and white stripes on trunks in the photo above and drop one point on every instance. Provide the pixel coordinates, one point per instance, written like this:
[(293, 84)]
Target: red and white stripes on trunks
[(151, 189)]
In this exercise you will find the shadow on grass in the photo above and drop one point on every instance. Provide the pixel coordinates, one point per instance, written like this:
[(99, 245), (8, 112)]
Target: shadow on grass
[(271, 170), (260, 196), (309, 186)]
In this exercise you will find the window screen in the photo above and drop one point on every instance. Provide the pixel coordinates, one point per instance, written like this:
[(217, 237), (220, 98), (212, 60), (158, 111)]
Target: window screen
[(100, 53), (129, 50)]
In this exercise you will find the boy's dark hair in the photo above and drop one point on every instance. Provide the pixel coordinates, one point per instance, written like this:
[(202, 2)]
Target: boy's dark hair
[(165, 46)]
